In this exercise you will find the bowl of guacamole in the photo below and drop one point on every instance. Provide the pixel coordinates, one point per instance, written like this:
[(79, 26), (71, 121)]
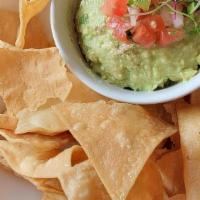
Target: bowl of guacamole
[(119, 56)]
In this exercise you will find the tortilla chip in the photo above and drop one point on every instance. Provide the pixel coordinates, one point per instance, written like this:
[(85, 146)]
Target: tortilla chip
[(61, 141), (44, 121), (178, 197), (176, 141), (2, 106), (189, 126), (81, 93), (9, 22), (30, 77), (7, 122), (27, 10), (108, 129), (82, 183), (36, 36), (195, 97), (158, 111), (3, 163), (39, 162), (46, 185), (171, 109), (53, 196), (59, 164), (171, 170), (148, 185), (5, 45)]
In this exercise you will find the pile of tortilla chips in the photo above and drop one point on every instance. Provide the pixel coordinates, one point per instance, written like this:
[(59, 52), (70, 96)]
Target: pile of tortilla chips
[(74, 144)]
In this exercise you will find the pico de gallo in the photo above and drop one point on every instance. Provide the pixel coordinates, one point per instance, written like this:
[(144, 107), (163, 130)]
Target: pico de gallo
[(142, 45), (149, 22)]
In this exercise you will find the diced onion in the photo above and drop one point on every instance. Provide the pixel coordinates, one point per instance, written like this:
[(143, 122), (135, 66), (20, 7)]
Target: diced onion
[(178, 21), (134, 13), (172, 20)]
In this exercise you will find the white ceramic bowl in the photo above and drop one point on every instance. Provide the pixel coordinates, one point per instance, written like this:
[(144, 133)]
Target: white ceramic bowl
[(62, 24)]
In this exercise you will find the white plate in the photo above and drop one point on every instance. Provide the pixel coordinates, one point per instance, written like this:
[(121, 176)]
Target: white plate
[(12, 187), (15, 188)]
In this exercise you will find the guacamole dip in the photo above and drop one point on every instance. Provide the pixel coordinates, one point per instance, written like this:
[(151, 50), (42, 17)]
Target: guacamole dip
[(132, 65)]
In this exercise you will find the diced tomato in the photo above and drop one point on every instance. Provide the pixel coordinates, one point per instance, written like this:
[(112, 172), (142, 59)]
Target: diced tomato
[(169, 36), (144, 36), (115, 7), (154, 23), (119, 27)]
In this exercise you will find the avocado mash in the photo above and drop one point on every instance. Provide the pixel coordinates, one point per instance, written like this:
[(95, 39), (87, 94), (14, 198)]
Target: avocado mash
[(129, 64)]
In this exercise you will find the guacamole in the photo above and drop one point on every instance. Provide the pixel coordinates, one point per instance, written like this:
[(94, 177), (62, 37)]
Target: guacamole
[(131, 65)]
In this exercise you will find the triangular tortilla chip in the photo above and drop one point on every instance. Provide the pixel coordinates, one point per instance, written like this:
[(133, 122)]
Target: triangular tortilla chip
[(118, 139), (171, 170), (82, 183), (178, 197), (148, 185), (189, 126), (28, 78), (27, 10)]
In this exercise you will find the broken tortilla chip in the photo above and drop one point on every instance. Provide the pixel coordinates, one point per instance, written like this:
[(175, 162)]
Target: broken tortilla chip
[(27, 10), (28, 78), (82, 183), (105, 130), (189, 126), (171, 169), (148, 185)]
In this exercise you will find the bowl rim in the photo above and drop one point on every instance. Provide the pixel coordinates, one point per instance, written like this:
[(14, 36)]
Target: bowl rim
[(111, 91)]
